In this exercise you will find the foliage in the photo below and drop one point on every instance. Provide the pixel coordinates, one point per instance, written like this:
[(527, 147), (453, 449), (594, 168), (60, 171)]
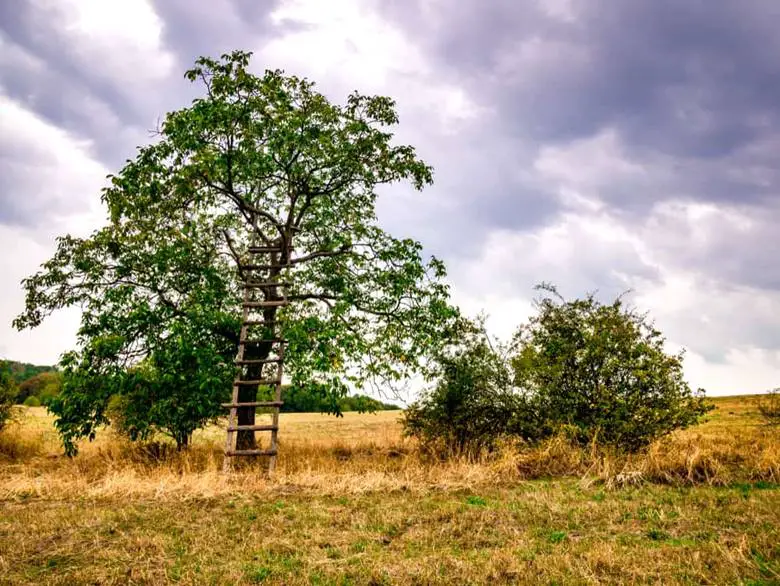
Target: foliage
[(44, 386), (596, 372), (32, 401), (8, 390), (602, 371), (472, 405), (175, 390), (366, 404), (769, 406), (263, 158)]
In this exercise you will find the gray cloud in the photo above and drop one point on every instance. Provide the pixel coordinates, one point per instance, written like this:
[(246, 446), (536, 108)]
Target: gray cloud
[(691, 91), (57, 85), (212, 28), (690, 79)]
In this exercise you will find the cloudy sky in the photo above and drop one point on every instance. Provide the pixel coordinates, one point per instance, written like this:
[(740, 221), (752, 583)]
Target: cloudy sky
[(599, 144)]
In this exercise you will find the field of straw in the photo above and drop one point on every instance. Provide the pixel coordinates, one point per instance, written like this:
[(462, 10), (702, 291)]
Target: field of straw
[(352, 502)]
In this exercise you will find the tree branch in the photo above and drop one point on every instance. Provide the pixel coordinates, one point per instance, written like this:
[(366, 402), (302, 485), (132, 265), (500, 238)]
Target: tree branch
[(321, 254)]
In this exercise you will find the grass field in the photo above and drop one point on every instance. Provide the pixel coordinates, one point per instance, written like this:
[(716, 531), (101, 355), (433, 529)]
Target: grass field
[(354, 503)]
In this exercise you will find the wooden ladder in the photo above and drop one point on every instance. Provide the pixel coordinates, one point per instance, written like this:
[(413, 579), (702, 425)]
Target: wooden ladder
[(275, 296)]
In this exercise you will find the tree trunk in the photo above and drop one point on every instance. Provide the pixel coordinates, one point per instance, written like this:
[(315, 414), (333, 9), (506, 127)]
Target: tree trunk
[(245, 440), (183, 441)]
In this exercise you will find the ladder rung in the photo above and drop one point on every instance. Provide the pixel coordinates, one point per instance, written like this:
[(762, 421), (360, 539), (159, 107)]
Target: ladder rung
[(253, 284), (261, 381), (259, 322), (254, 267), (254, 428), (265, 249), (250, 362), (251, 453), (254, 404), (274, 303)]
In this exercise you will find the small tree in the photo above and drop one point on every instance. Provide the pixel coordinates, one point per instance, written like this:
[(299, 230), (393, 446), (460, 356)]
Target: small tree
[(32, 401), (8, 390), (769, 406), (44, 386), (602, 370), (471, 406)]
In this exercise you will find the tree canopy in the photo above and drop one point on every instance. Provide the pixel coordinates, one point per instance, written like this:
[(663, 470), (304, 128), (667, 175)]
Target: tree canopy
[(256, 156)]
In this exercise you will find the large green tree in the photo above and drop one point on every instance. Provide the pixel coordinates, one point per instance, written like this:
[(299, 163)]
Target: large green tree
[(257, 156)]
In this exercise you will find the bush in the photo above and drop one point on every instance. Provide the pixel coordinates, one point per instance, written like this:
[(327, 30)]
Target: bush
[(32, 401), (591, 371), (471, 407), (769, 406), (601, 370), (173, 391)]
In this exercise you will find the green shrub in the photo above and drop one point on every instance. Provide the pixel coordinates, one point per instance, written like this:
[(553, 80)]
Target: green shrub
[(471, 407), (32, 401), (769, 406), (44, 385), (597, 372), (601, 371)]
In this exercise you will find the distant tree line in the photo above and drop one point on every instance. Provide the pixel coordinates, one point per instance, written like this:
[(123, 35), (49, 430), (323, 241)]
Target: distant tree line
[(32, 385), (316, 398), (309, 400), (22, 371)]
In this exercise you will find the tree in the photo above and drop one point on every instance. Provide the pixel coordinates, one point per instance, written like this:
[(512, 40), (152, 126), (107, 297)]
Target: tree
[(263, 157), (8, 390), (44, 385), (769, 406), (602, 370), (473, 403)]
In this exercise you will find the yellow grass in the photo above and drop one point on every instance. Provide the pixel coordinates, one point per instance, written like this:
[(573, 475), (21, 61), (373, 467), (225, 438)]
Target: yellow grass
[(366, 452), (352, 501)]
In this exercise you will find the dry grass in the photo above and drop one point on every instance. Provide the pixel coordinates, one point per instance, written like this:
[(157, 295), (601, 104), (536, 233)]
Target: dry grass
[(363, 453), (352, 502)]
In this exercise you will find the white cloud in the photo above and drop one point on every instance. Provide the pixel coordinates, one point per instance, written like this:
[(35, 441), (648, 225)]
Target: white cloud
[(43, 345), (352, 48), (745, 370), (52, 172), (121, 40), (58, 192), (564, 10), (588, 165)]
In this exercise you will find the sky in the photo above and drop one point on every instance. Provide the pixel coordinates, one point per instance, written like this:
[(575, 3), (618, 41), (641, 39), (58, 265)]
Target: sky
[(602, 145)]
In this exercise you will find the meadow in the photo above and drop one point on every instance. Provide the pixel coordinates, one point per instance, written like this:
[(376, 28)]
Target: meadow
[(353, 502)]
